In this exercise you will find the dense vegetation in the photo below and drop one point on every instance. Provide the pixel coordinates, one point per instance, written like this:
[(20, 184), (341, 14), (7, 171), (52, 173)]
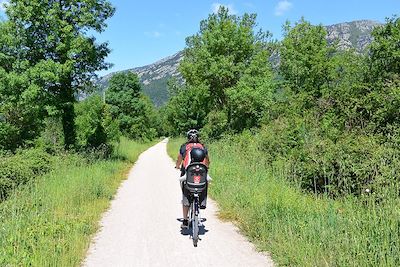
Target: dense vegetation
[(47, 63), (333, 115), (134, 111), (297, 229), (63, 148), (51, 221), (305, 154)]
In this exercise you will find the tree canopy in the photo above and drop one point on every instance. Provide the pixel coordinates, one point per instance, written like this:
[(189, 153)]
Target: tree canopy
[(48, 43), (134, 111), (226, 69)]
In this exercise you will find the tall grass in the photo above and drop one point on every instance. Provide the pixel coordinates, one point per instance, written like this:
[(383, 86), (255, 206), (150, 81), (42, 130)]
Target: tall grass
[(50, 222), (173, 147), (300, 229)]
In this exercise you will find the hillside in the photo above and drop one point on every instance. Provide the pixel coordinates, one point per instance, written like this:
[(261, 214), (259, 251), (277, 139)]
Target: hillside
[(355, 34), (154, 77)]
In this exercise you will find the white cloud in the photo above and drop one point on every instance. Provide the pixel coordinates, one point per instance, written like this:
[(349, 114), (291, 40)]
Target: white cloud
[(153, 34), (282, 7), (230, 8), (3, 5)]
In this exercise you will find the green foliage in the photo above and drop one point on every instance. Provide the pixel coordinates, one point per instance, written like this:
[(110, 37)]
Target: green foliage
[(8, 136), (305, 58), (21, 168), (226, 69), (95, 126), (50, 59), (135, 112), (20, 114), (111, 126), (216, 125), (186, 110), (52, 137), (220, 52), (324, 115), (249, 101), (385, 51), (51, 222)]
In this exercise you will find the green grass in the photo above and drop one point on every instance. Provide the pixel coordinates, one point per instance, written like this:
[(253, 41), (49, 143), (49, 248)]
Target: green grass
[(173, 147), (50, 222), (300, 229)]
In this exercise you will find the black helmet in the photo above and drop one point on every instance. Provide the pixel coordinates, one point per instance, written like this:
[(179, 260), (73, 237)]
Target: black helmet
[(197, 154), (192, 134)]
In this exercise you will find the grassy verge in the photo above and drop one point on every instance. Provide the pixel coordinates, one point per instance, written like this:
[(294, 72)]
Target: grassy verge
[(50, 222), (173, 147), (300, 229)]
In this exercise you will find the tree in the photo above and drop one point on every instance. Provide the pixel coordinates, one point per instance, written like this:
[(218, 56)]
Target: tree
[(218, 55), (122, 95), (94, 124), (383, 98), (305, 58), (135, 112), (227, 71), (187, 109), (19, 108), (250, 100), (385, 50), (55, 51)]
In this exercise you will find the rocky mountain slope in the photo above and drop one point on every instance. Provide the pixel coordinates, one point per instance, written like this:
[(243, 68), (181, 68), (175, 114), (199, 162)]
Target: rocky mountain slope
[(154, 77), (355, 34)]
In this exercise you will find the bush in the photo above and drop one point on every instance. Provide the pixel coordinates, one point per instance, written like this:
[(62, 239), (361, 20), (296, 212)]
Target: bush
[(8, 135), (22, 167), (95, 127), (336, 164), (216, 125), (52, 137)]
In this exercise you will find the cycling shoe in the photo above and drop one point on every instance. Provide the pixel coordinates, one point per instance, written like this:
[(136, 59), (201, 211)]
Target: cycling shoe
[(185, 224)]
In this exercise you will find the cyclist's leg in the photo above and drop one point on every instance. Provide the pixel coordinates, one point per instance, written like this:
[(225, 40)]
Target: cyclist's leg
[(203, 198), (185, 206)]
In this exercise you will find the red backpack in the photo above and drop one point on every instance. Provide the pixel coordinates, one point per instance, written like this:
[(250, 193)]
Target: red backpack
[(189, 147)]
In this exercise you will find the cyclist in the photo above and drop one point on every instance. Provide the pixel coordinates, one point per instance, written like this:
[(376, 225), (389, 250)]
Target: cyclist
[(193, 149)]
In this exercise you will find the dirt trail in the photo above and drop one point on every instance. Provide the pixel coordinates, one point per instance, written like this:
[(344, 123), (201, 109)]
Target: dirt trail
[(142, 227)]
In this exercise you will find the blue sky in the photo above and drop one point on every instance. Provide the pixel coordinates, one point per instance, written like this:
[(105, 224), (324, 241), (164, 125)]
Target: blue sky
[(142, 32)]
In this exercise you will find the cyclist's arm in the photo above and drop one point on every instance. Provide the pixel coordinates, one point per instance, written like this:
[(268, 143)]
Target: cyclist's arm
[(207, 161)]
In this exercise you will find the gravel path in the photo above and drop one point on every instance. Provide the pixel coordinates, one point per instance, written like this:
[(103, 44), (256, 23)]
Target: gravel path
[(142, 227)]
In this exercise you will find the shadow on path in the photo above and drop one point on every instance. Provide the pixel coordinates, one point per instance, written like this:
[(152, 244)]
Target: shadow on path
[(188, 231)]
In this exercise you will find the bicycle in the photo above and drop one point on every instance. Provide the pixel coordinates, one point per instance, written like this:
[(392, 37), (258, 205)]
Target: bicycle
[(194, 218), (196, 183)]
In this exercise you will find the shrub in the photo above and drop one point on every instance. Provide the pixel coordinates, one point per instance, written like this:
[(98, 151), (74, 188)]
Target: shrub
[(22, 167), (216, 125), (52, 137), (95, 127), (350, 163)]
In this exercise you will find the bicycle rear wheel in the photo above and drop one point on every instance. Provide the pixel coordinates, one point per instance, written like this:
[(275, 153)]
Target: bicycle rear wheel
[(195, 227)]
